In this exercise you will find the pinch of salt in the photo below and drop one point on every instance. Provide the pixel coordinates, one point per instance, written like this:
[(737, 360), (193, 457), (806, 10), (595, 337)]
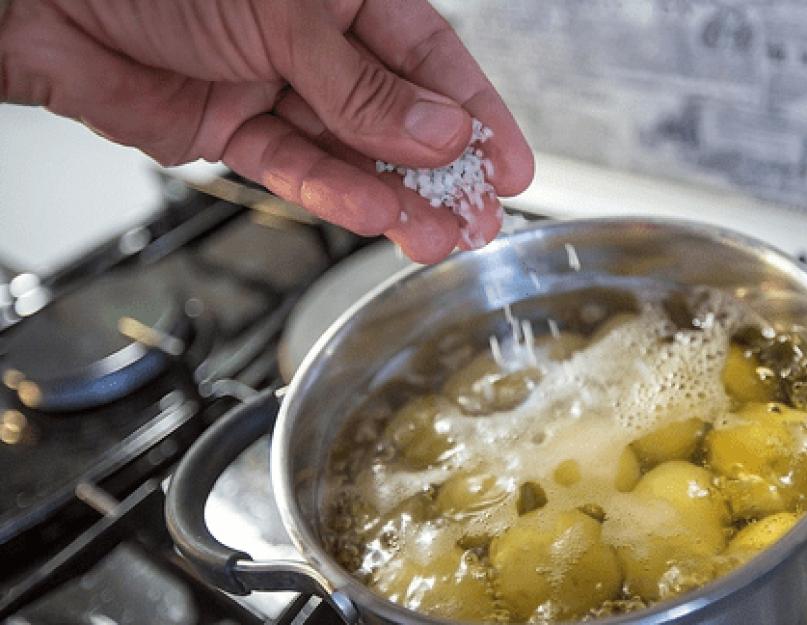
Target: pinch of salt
[(458, 185)]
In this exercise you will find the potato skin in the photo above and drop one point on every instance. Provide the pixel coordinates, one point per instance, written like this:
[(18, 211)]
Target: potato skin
[(451, 585), (469, 493), (664, 564), (758, 536), (742, 380), (628, 471), (554, 560), (481, 387), (413, 433), (762, 470), (678, 440), (690, 490)]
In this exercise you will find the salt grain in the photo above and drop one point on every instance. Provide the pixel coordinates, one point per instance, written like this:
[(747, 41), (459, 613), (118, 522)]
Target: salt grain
[(458, 185)]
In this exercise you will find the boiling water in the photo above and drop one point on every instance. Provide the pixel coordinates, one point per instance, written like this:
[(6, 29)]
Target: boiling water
[(636, 373)]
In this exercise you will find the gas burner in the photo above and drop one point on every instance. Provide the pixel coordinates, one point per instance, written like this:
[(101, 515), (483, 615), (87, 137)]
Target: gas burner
[(97, 344)]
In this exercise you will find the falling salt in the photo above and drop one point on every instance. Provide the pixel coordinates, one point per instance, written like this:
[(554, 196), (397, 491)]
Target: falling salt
[(571, 252)]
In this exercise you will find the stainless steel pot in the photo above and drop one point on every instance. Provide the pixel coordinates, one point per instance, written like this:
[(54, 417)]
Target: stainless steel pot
[(384, 332)]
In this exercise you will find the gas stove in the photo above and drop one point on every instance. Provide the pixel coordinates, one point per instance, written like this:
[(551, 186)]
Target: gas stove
[(111, 368)]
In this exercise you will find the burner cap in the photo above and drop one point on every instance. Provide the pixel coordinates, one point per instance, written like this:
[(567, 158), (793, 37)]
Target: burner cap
[(96, 344)]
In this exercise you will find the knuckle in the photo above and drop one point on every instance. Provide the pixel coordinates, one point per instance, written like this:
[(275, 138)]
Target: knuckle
[(437, 38), (370, 100)]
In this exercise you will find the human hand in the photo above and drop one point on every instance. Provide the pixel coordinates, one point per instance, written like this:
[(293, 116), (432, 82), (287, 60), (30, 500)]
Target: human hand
[(299, 95)]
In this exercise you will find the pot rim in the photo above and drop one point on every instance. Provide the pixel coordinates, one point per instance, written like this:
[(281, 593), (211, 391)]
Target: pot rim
[(663, 613)]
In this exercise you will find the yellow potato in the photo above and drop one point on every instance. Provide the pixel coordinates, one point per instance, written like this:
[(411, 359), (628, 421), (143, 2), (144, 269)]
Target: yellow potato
[(412, 431), (759, 457), (469, 493), (662, 551), (567, 473), (452, 585), (611, 324), (562, 346), (675, 441), (773, 412), (481, 387), (751, 497), (757, 536), (762, 448), (556, 561), (742, 379), (628, 471), (689, 490)]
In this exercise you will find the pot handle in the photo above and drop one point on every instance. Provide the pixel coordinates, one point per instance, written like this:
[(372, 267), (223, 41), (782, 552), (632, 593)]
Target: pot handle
[(190, 486)]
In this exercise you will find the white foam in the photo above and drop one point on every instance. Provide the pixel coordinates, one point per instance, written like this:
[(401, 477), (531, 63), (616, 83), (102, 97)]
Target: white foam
[(641, 374)]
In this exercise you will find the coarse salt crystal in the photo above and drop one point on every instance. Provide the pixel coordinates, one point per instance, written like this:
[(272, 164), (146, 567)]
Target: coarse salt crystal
[(459, 185)]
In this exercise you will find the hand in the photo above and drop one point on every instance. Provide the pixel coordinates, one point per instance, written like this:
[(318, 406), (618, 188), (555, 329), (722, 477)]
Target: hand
[(299, 95)]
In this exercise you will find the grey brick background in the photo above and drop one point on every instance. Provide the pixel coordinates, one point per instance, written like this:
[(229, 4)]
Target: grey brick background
[(707, 91)]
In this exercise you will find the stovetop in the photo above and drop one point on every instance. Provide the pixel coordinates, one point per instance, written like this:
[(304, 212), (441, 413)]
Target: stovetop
[(110, 369)]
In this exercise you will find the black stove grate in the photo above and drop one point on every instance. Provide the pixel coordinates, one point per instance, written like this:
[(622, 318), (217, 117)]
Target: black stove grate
[(81, 504)]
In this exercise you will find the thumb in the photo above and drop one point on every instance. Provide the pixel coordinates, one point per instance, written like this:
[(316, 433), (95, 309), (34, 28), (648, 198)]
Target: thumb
[(370, 108)]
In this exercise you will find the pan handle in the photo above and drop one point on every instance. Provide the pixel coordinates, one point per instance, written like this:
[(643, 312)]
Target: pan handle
[(230, 569)]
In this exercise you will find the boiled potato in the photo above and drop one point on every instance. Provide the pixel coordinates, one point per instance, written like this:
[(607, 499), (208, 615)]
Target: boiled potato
[(469, 493), (661, 550), (773, 412), (674, 441), (481, 387), (755, 537), (567, 473), (612, 323), (751, 497), (628, 471), (742, 379), (688, 488), (758, 457), (451, 584), (674, 556), (561, 346), (760, 447), (413, 433), (556, 561)]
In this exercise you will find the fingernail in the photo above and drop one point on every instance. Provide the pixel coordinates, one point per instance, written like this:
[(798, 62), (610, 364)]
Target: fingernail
[(435, 125)]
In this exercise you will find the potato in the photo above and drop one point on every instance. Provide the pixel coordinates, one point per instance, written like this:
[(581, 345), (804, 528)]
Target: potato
[(469, 493), (674, 441), (628, 471), (659, 562), (742, 379), (481, 387), (561, 346), (661, 550), (764, 471), (690, 491), (752, 497), (567, 473), (452, 585), (755, 537), (412, 431), (773, 412), (612, 323), (556, 561)]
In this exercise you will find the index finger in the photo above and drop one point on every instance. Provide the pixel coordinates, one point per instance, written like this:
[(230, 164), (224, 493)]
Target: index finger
[(415, 41)]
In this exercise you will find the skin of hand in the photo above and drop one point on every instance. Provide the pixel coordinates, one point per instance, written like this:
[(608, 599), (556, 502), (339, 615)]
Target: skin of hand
[(300, 95)]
